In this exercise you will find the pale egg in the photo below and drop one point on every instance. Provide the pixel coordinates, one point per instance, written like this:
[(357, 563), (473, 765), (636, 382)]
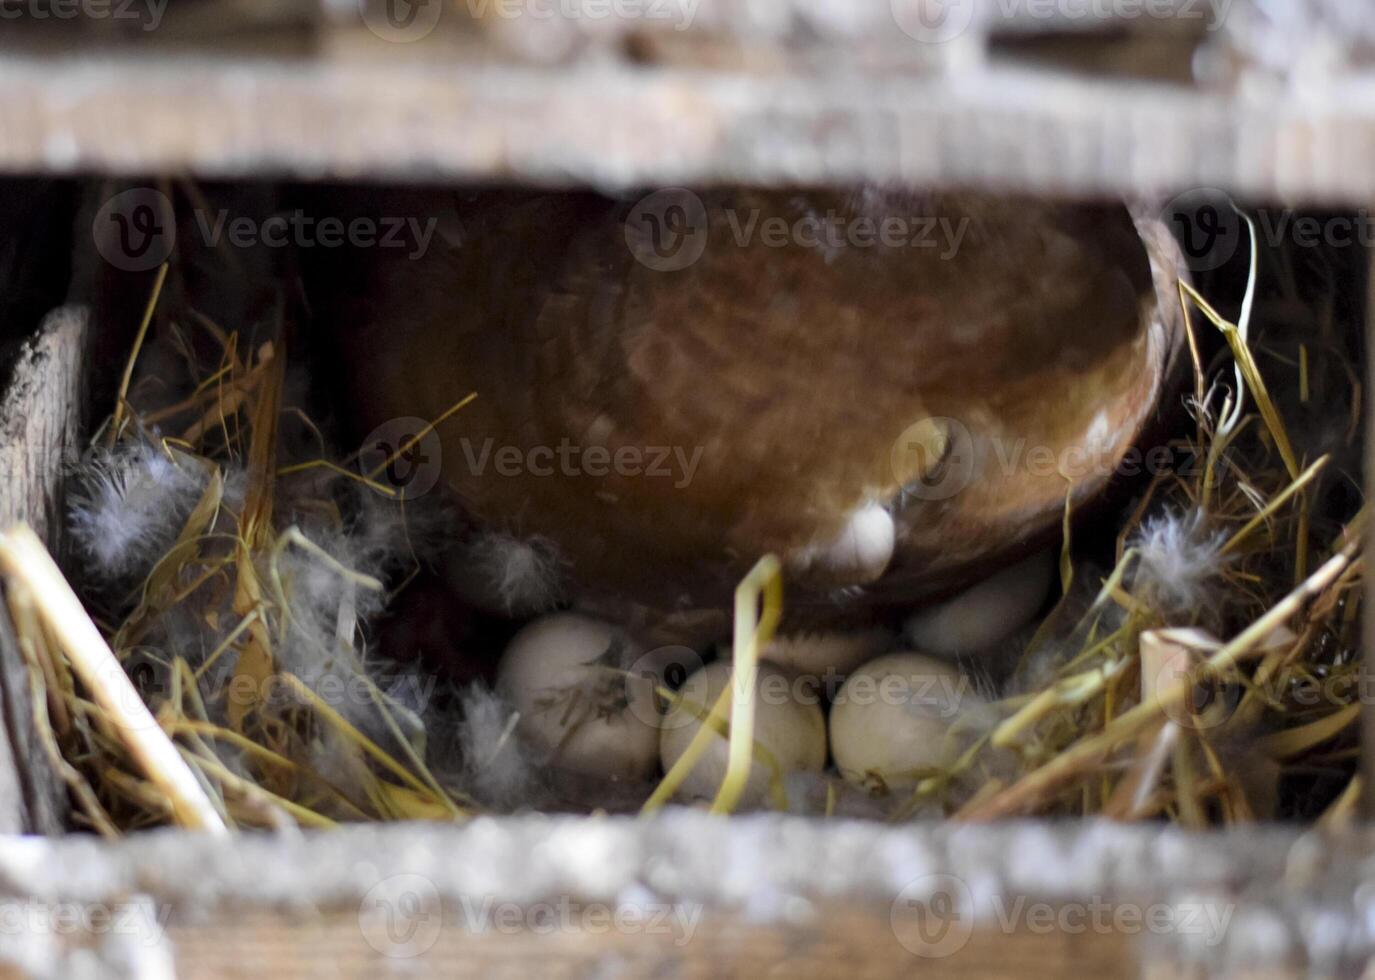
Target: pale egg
[(788, 723), (986, 614), (826, 654), (569, 676), (898, 718)]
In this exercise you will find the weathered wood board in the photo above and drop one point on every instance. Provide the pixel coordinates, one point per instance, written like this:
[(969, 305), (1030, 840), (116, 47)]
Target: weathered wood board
[(42, 418), (690, 895), (816, 91)]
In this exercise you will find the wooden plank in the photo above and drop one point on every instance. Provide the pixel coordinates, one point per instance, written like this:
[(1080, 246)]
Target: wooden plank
[(14, 795), (42, 414), (697, 896), (632, 93), (1013, 129), (841, 94), (842, 942)]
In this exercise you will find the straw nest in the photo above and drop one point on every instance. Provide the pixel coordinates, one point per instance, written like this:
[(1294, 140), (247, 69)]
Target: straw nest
[(1206, 674)]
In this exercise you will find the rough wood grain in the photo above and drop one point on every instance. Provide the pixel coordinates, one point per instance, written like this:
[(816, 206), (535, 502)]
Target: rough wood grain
[(41, 414), (40, 418), (537, 896), (850, 97), (841, 941), (14, 802)]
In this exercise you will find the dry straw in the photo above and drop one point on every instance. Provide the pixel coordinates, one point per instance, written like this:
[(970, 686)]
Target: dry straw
[(1120, 713)]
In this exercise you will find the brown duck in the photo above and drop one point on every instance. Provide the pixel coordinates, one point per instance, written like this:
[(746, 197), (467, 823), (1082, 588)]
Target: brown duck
[(890, 391)]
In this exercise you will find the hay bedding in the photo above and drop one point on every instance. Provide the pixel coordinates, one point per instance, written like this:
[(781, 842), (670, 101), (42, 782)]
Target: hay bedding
[(1200, 665)]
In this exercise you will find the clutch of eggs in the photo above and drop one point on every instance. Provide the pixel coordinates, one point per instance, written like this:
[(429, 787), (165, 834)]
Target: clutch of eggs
[(585, 694)]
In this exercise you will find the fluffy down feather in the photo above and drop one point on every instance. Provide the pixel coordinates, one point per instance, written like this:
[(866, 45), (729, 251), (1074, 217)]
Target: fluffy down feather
[(497, 769), (1179, 566), (127, 506)]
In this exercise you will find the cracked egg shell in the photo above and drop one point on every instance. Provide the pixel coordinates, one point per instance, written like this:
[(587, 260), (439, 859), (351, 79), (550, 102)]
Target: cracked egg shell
[(567, 676)]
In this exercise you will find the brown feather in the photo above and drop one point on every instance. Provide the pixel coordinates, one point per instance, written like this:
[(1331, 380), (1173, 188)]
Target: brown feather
[(794, 370)]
